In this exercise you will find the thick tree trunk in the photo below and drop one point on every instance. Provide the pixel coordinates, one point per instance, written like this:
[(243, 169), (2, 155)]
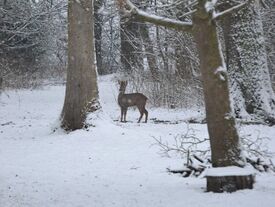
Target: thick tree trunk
[(222, 130), (246, 59), (269, 27), (224, 138), (81, 87), (160, 49)]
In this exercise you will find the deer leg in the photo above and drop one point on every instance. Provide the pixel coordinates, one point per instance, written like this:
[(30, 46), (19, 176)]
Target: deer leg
[(125, 112), (121, 115), (146, 115), (141, 111)]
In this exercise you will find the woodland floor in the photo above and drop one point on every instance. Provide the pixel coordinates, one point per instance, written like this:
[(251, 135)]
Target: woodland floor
[(112, 164)]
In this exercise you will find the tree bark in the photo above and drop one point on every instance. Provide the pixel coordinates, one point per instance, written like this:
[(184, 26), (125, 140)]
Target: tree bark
[(246, 59), (131, 48), (149, 50), (98, 36), (269, 27), (81, 88), (224, 138)]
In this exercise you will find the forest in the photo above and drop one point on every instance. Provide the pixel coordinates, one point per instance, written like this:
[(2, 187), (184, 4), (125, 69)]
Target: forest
[(137, 103)]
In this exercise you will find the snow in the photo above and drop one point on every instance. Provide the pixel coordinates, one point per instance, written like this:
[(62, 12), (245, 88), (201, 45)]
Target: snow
[(229, 171), (111, 164), (221, 71), (152, 17), (210, 5)]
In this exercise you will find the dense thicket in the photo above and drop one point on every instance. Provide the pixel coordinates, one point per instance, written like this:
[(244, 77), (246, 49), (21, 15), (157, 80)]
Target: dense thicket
[(32, 41)]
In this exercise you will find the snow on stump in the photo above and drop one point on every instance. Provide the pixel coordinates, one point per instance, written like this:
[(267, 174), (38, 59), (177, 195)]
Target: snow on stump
[(229, 179)]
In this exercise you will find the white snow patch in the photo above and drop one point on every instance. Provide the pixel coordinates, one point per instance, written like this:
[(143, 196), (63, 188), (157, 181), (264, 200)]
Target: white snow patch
[(228, 171), (210, 5), (221, 72)]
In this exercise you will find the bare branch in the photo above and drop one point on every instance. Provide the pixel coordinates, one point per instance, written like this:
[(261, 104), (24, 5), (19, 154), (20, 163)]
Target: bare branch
[(231, 10), (197, 156), (188, 13), (161, 21)]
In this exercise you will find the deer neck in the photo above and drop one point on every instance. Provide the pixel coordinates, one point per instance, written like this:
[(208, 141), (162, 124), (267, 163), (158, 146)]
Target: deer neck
[(121, 93)]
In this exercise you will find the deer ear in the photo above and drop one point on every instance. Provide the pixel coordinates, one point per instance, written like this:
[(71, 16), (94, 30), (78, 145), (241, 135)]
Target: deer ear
[(126, 82), (119, 82)]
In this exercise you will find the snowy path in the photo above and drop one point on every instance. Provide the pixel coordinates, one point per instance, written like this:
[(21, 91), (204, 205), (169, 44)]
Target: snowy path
[(113, 164)]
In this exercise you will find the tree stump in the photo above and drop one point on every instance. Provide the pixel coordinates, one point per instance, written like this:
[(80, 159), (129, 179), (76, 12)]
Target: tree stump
[(229, 179)]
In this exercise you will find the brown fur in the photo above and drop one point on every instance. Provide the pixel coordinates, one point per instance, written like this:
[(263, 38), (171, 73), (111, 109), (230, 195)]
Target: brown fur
[(131, 99)]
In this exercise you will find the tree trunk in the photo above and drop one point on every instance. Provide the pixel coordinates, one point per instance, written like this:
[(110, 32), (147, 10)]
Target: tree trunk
[(81, 87), (131, 49), (269, 27), (98, 36), (246, 59), (224, 138), (149, 50)]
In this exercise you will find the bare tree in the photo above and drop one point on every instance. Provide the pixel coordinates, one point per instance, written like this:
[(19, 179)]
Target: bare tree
[(224, 137), (81, 88), (30, 32)]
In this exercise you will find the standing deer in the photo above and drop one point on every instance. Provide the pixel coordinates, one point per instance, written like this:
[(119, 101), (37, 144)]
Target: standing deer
[(131, 99)]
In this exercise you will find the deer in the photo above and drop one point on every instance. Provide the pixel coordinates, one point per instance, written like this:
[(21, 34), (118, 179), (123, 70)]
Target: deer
[(131, 99)]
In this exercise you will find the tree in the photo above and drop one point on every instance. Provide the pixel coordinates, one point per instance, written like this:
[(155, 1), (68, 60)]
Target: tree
[(268, 13), (81, 95), (224, 137), (26, 35), (149, 50), (131, 58), (98, 35), (246, 60)]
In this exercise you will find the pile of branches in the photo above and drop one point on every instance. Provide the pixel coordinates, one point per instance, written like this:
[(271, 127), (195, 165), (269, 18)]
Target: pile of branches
[(196, 153), (196, 165)]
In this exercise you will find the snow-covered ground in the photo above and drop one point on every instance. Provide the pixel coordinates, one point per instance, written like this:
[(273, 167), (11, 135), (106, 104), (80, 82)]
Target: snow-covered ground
[(112, 164)]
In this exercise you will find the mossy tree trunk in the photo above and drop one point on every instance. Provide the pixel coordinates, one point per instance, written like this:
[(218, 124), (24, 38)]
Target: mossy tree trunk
[(223, 134), (246, 59), (81, 88)]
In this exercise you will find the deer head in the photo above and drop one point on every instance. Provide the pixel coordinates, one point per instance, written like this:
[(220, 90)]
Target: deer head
[(122, 86)]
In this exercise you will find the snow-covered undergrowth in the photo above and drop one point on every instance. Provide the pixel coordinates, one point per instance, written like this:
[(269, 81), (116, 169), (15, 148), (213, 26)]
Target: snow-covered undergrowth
[(112, 164)]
